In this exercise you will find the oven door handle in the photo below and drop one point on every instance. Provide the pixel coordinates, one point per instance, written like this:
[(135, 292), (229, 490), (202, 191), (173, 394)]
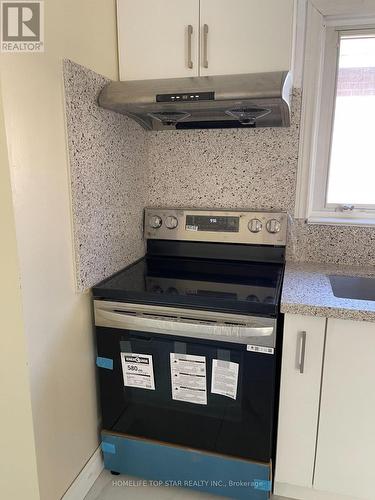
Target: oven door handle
[(239, 334)]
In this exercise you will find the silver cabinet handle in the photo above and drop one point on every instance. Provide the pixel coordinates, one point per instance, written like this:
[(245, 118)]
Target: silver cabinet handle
[(205, 45), (189, 34), (302, 351)]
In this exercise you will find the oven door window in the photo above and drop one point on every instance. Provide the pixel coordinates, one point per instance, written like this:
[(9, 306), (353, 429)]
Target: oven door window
[(240, 426)]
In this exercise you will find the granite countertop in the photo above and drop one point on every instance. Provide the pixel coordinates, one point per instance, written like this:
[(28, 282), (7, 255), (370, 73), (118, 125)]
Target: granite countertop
[(307, 290)]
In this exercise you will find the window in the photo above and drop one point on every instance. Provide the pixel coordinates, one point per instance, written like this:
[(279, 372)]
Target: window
[(351, 172), (337, 165)]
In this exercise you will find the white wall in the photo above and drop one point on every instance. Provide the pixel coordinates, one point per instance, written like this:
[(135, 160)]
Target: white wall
[(57, 319), (18, 474)]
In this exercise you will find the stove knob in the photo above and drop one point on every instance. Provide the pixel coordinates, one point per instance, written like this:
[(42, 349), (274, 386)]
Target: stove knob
[(273, 226), (171, 222), (155, 222), (255, 226)]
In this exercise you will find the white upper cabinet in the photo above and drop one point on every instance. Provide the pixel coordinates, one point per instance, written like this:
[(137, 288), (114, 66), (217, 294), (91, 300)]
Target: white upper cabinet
[(302, 359), (245, 36), (346, 437), (181, 38), (158, 38)]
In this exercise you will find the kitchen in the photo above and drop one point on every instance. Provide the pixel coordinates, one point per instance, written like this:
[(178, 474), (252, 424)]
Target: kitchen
[(78, 177)]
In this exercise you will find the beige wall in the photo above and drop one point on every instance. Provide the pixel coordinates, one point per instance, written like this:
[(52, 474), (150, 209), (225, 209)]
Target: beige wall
[(57, 319), (18, 474)]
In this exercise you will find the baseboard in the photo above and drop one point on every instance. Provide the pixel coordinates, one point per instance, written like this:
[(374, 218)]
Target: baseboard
[(299, 493), (86, 478)]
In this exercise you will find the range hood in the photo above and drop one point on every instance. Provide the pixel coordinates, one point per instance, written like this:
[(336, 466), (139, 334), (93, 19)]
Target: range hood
[(230, 101)]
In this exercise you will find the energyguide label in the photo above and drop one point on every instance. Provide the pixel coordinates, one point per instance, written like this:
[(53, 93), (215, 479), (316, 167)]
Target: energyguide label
[(138, 370)]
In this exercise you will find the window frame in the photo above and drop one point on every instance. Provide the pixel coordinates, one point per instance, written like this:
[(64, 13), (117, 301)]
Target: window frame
[(319, 97)]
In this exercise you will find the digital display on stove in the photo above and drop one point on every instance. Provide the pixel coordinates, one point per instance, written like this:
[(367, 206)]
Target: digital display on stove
[(216, 223)]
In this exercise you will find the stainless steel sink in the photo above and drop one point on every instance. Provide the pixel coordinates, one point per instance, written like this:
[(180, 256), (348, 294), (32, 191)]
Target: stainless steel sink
[(351, 287)]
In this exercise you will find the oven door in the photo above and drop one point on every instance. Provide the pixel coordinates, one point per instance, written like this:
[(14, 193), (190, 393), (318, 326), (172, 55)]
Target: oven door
[(194, 378)]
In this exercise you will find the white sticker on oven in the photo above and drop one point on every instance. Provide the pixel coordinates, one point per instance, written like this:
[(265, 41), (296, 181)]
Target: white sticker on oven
[(138, 370), (189, 380), (261, 349), (224, 378)]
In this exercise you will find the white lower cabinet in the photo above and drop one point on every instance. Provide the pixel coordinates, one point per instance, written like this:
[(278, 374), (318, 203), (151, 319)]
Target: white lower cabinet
[(326, 437), (301, 372), (345, 459)]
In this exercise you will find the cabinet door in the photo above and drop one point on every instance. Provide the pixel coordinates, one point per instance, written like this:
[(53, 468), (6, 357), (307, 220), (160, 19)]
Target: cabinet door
[(302, 360), (245, 36), (346, 436), (158, 38)]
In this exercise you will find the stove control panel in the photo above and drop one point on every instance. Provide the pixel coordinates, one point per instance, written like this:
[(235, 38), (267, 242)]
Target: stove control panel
[(220, 226)]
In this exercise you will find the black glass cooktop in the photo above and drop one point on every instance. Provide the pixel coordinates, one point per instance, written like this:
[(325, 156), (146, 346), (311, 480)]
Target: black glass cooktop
[(199, 283)]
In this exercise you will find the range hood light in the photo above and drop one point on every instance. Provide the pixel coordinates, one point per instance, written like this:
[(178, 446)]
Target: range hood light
[(169, 118), (248, 116)]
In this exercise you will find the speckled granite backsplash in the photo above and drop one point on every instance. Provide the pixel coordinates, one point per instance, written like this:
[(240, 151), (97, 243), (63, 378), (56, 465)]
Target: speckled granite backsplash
[(117, 169), (245, 168), (348, 245), (108, 153)]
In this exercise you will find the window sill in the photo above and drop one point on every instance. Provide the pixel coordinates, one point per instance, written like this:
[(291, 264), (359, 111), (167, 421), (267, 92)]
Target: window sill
[(367, 221)]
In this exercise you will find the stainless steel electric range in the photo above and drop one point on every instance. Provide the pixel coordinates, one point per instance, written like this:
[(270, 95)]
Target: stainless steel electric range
[(189, 337)]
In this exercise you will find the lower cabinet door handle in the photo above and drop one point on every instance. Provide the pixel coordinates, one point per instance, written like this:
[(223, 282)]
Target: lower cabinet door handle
[(302, 351)]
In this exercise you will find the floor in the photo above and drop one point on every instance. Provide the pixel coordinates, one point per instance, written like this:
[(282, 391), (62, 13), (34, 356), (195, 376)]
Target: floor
[(108, 487)]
